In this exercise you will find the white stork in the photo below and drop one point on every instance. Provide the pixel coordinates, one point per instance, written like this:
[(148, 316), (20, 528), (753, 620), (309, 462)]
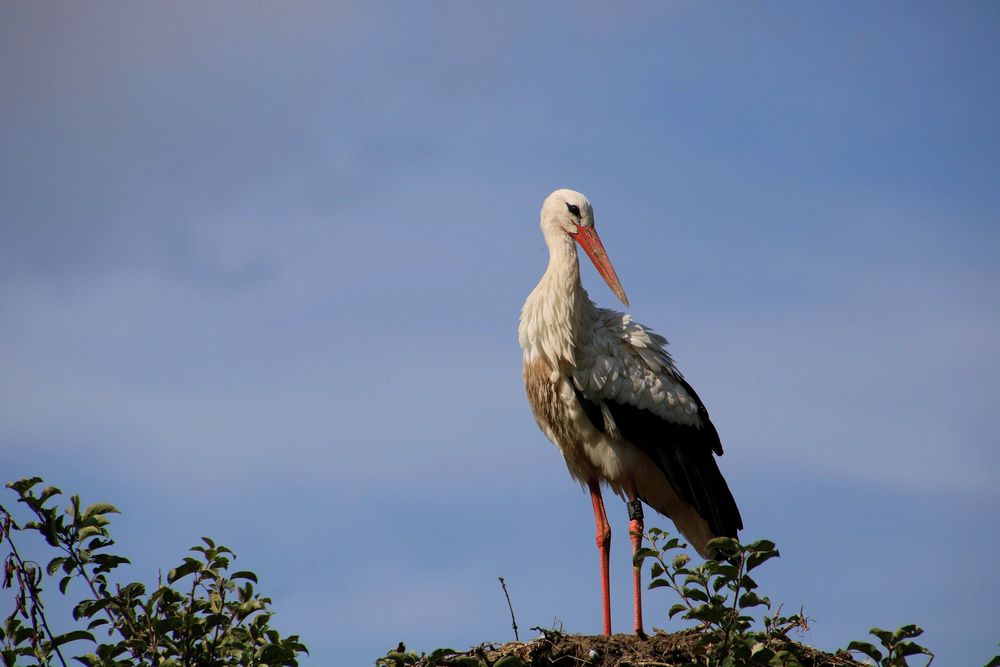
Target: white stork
[(605, 390)]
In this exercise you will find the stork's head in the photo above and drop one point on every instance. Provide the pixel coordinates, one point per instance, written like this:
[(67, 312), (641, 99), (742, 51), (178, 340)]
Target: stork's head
[(569, 213)]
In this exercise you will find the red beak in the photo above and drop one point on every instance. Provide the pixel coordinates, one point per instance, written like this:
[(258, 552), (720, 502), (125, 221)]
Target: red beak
[(591, 243)]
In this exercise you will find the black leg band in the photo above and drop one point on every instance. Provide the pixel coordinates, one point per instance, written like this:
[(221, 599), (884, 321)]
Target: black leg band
[(634, 510)]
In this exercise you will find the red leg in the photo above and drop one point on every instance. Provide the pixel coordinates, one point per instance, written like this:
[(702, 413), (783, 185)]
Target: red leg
[(635, 528), (604, 546)]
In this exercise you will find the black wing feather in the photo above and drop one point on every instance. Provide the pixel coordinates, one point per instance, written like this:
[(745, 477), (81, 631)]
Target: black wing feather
[(685, 454)]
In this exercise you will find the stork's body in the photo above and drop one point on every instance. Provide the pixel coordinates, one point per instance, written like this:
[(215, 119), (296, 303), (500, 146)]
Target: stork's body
[(605, 390)]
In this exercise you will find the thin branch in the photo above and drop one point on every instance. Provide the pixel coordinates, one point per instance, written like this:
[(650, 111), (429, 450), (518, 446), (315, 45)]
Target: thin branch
[(513, 622), (218, 626), (731, 621), (36, 601), (118, 620)]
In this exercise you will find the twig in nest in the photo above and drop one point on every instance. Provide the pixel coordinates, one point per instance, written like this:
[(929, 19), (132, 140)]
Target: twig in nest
[(513, 622)]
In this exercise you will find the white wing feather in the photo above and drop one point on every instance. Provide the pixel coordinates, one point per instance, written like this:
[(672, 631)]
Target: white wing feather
[(625, 362)]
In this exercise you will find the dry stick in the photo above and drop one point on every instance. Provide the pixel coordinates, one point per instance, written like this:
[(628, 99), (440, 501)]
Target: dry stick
[(509, 606)]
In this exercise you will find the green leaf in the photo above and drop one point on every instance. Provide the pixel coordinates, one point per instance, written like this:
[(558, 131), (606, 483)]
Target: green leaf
[(184, 570), (911, 648), (165, 625), (751, 599), (108, 562), (907, 631), (658, 583), (437, 654), (884, 636), (763, 546), (759, 558), (656, 570), (54, 565), (995, 662), (866, 648), (696, 576), (643, 554), (725, 570), (135, 589), (761, 654), (75, 635), (88, 531), (708, 613), (244, 574), (22, 485), (676, 609), (100, 509), (47, 493), (723, 544), (691, 593)]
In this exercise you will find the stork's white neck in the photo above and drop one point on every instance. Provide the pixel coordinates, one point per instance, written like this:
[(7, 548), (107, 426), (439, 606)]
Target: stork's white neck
[(554, 316)]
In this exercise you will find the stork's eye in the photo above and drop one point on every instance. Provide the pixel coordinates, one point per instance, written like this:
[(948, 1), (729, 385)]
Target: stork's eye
[(574, 209)]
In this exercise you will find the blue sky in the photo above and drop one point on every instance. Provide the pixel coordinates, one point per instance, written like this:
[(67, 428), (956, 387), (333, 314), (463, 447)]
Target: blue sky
[(261, 267)]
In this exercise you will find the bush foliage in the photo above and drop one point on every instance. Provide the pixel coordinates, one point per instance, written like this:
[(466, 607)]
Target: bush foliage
[(734, 625), (207, 615), (203, 614)]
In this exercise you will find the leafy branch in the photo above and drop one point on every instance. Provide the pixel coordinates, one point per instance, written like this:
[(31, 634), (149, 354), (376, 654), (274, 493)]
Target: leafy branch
[(718, 594), (897, 646), (218, 619)]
